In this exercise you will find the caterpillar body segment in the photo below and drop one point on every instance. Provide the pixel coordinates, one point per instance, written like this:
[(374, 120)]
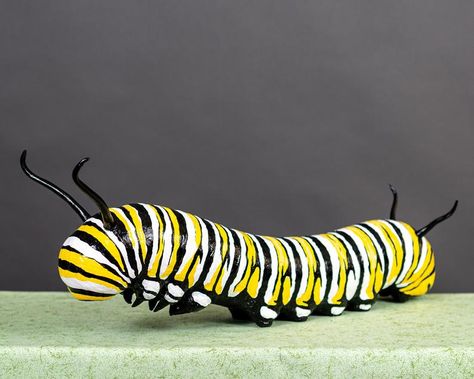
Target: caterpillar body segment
[(170, 258)]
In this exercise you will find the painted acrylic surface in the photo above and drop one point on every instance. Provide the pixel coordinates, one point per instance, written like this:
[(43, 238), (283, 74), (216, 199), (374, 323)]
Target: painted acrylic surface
[(172, 258)]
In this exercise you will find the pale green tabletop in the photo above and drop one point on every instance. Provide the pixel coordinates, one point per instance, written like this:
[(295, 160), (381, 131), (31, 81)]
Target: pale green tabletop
[(53, 335)]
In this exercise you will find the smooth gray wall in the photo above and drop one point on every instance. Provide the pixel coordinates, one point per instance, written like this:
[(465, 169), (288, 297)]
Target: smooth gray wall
[(269, 116)]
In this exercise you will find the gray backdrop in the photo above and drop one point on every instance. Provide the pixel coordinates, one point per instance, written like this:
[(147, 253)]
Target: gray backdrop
[(272, 117)]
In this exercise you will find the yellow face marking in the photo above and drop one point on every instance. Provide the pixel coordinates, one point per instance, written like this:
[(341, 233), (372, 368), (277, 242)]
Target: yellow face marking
[(74, 275), (105, 241), (89, 265), (137, 223), (153, 268), (176, 243)]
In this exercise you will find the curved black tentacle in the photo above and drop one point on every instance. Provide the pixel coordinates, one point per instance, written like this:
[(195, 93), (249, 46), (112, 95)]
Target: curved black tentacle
[(393, 210), (107, 218), (83, 214), (421, 232)]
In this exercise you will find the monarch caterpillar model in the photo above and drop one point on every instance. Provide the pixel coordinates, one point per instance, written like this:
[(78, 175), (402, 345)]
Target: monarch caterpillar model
[(169, 257)]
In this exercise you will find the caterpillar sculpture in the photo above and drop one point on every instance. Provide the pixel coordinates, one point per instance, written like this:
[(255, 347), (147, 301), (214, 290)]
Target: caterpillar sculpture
[(169, 257)]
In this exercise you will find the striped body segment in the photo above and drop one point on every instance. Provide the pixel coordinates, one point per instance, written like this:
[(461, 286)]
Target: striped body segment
[(169, 257)]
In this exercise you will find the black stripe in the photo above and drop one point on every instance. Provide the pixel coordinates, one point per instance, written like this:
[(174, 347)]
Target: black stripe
[(400, 236), (89, 293), (95, 244), (298, 268), (235, 264), (327, 264), (358, 255), (224, 261), (210, 255), (384, 250), (350, 263), (119, 229), (147, 230), (265, 268)]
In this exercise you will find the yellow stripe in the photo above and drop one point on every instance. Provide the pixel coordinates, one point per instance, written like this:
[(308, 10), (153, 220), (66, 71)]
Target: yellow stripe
[(252, 287), (137, 222), (312, 266), (176, 243), (251, 258), (416, 277), (343, 264), (282, 261), (105, 241), (74, 275), (82, 297), (426, 269), (286, 290), (89, 265), (153, 268), (371, 253), (181, 274), (317, 292), (192, 274), (422, 288)]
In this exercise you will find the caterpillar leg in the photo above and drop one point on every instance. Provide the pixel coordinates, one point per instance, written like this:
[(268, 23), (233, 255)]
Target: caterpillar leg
[(330, 309), (265, 315), (362, 306), (190, 302), (294, 314)]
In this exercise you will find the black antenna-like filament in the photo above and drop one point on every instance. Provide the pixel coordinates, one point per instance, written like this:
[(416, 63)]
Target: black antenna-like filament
[(421, 232), (83, 214), (393, 210), (107, 218)]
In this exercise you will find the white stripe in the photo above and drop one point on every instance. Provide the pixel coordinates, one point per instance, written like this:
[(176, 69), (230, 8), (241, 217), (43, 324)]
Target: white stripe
[(217, 257), (424, 252), (394, 232), (365, 263), (242, 265), (274, 271), (335, 264), (304, 268), (301, 312), (155, 228), (322, 267), (292, 265), (389, 254), (168, 241), (268, 313), (175, 290), (408, 254), (89, 252), (151, 286), (133, 238), (191, 245), (120, 246), (88, 286), (202, 299), (353, 277)]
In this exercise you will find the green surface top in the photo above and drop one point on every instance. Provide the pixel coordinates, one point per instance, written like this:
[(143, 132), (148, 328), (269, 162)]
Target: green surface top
[(51, 334)]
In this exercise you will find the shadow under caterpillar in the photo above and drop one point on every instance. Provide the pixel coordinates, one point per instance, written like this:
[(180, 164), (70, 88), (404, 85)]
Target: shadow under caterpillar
[(169, 257)]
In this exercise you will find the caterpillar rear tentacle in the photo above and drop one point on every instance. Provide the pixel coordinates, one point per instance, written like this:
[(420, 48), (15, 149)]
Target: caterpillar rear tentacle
[(170, 258)]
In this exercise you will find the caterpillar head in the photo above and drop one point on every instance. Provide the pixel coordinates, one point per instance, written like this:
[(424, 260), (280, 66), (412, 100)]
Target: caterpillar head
[(92, 261)]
